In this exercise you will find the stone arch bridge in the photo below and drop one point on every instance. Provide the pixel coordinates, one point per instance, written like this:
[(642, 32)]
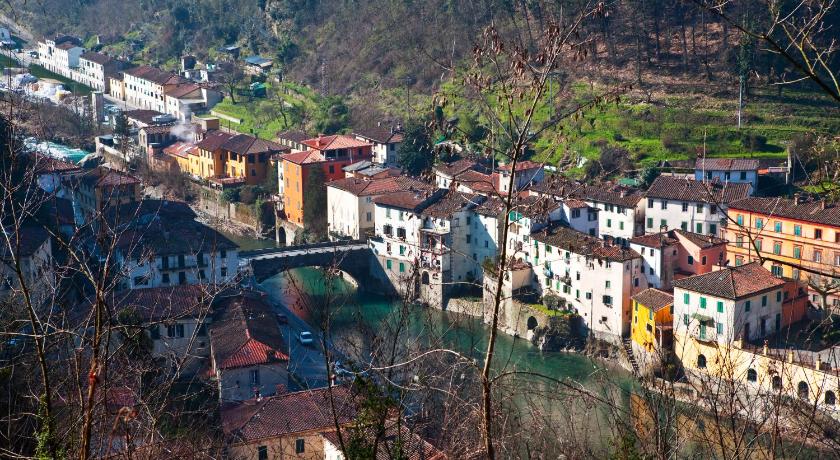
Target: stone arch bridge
[(353, 257)]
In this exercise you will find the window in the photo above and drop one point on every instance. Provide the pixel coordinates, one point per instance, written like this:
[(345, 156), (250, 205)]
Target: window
[(830, 398), (740, 219), (747, 305), (686, 298), (607, 300), (817, 233), (776, 270), (684, 226), (685, 319), (388, 264), (402, 250), (650, 202), (175, 331), (802, 390), (663, 223), (779, 296), (609, 223), (752, 375), (764, 301), (701, 362), (700, 207), (332, 169), (575, 213), (621, 225), (777, 226), (300, 446), (758, 243), (262, 453), (797, 252), (777, 382), (685, 207), (797, 230), (719, 328), (588, 296), (698, 227), (650, 221), (369, 216), (402, 267), (759, 223), (650, 315), (712, 229), (690, 260), (837, 258), (720, 306), (817, 255), (664, 204), (777, 247), (702, 302), (607, 284), (739, 241), (254, 377), (165, 278)]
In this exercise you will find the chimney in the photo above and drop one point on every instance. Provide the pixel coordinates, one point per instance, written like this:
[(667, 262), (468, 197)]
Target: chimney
[(790, 356), (765, 349), (797, 198), (257, 394)]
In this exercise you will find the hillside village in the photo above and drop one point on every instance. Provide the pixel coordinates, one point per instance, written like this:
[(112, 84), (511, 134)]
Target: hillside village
[(709, 270)]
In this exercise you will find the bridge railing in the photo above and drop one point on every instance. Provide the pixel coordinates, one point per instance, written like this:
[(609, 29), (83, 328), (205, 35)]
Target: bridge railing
[(325, 244)]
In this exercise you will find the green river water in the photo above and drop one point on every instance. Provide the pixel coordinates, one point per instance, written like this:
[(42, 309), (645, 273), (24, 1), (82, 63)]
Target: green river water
[(362, 317)]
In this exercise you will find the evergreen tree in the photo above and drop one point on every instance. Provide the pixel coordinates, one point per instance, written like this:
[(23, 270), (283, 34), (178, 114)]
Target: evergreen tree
[(415, 152)]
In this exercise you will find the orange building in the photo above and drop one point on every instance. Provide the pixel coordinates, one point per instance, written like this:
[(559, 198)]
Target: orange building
[(798, 239), (331, 154)]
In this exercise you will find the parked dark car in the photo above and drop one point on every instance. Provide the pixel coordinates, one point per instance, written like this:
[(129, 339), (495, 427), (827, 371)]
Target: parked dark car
[(282, 319)]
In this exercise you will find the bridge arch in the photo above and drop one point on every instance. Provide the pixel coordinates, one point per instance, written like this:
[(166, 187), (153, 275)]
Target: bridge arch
[(351, 257)]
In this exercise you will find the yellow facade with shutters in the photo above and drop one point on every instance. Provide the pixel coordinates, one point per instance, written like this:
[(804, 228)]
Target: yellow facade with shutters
[(645, 323)]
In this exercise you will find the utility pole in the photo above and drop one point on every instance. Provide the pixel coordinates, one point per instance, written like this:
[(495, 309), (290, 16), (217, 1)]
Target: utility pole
[(740, 98)]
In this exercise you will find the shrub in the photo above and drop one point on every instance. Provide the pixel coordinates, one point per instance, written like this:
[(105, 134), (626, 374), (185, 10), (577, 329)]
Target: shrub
[(671, 144), (231, 195), (754, 142)]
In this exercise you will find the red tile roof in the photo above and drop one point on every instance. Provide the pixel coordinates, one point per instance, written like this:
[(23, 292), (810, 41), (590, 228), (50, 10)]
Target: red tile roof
[(732, 282), (580, 243), (455, 168), (45, 164), (682, 189), (287, 414), (304, 157), (180, 149), (727, 164), (377, 186), (335, 142), (98, 58), (214, 140), (410, 199), (819, 212), (245, 333), (182, 90), (654, 299), (245, 144), (155, 75)]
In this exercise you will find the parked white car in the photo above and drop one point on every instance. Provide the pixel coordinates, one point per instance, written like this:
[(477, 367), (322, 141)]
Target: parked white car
[(305, 338)]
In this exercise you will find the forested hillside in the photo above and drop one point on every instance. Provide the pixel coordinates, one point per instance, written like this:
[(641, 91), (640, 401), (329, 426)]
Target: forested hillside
[(340, 46)]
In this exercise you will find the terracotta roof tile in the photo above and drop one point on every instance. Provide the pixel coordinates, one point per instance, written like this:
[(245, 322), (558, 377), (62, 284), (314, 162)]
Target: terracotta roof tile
[(681, 189), (288, 413), (819, 212), (335, 142), (456, 167), (727, 164), (565, 238), (378, 186), (654, 299), (732, 282), (522, 166), (245, 333)]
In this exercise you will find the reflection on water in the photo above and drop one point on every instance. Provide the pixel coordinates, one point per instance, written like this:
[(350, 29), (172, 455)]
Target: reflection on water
[(467, 335)]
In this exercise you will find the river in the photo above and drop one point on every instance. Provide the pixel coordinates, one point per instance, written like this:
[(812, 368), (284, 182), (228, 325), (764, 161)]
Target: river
[(363, 316)]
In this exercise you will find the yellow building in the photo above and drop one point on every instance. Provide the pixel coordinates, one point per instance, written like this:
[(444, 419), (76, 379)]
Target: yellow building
[(233, 159), (651, 329), (788, 234), (799, 374)]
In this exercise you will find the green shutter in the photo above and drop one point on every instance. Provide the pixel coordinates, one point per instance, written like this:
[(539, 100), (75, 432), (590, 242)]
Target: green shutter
[(702, 302), (720, 306)]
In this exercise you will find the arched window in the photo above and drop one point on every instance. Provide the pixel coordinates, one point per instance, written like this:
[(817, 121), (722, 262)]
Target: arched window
[(802, 390), (752, 375), (425, 278), (777, 382), (830, 398), (701, 362)]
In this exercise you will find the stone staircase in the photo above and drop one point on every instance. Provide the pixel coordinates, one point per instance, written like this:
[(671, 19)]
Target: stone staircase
[(628, 350)]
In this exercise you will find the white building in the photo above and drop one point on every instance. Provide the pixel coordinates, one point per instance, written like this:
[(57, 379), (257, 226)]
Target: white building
[(95, 70), (60, 55), (186, 99), (145, 87), (735, 170), (385, 139), (446, 173), (688, 204), (594, 277), (734, 302), (527, 173), (676, 254), (620, 208), (350, 208)]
